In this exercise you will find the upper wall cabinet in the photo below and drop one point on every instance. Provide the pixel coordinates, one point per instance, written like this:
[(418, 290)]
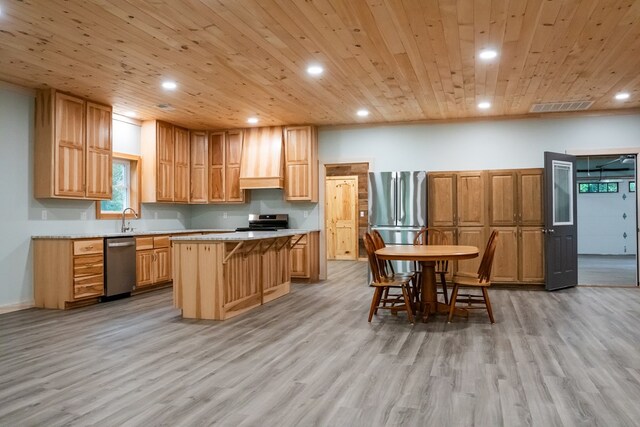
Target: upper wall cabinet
[(225, 154), (199, 182), (165, 162), (72, 147), (515, 197), (301, 163), (442, 199), (470, 195)]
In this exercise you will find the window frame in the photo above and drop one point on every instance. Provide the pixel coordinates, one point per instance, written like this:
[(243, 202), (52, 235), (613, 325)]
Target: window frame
[(135, 185)]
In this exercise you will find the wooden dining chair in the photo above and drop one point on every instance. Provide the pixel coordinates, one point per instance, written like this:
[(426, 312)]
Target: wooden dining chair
[(483, 281), (435, 236), (386, 267), (382, 298)]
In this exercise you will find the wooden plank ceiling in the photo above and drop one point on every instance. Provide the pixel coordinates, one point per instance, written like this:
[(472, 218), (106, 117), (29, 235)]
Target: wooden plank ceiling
[(404, 60)]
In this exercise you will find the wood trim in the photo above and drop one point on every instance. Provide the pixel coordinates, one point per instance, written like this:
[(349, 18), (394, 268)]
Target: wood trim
[(134, 191)]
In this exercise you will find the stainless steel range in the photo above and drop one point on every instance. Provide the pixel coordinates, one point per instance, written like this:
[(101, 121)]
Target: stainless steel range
[(270, 222)]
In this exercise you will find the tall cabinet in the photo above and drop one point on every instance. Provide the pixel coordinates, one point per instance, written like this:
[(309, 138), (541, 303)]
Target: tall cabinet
[(72, 147), (471, 204), (301, 163), (516, 211)]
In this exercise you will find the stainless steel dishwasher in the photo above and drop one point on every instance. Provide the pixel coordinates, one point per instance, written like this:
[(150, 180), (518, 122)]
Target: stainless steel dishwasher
[(120, 266)]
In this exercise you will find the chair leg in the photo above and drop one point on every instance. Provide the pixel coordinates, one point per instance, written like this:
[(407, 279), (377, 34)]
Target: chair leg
[(407, 303), (452, 303), (444, 288), (374, 302), (488, 303), (385, 296)]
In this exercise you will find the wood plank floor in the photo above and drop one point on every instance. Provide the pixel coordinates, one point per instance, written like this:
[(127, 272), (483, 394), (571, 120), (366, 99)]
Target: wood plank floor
[(565, 358)]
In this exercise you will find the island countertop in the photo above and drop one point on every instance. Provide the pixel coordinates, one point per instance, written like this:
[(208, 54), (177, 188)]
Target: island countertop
[(239, 236)]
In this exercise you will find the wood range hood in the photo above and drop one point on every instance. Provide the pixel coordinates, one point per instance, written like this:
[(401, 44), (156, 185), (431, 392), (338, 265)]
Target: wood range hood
[(262, 163)]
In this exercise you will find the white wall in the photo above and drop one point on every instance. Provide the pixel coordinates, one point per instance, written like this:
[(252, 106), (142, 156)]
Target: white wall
[(601, 225), (474, 145), (21, 215)]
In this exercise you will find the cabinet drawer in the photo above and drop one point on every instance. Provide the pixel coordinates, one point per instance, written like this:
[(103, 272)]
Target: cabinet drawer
[(144, 243), (161, 242), (87, 265), (88, 287), (86, 247)]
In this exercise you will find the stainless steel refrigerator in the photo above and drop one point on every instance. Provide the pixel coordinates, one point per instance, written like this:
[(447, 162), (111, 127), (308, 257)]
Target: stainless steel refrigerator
[(398, 208)]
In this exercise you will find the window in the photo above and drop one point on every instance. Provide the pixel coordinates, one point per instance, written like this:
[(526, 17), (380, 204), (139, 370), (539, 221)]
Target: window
[(598, 187), (632, 186), (126, 182)]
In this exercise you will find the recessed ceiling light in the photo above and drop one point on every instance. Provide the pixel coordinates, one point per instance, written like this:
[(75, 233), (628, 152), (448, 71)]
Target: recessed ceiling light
[(252, 120), (130, 114), (622, 96), (363, 113), (484, 105), (169, 85), (487, 54), (315, 70)]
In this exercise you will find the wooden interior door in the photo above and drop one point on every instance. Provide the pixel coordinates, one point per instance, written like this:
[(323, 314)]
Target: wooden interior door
[(341, 212), (69, 151), (99, 170)]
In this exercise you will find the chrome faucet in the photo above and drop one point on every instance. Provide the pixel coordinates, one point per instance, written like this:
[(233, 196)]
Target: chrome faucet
[(124, 228)]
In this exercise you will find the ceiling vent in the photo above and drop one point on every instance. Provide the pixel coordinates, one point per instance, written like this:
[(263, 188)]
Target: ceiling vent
[(166, 107), (556, 107)]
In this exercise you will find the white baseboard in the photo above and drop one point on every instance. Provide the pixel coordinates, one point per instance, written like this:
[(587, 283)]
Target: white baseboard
[(15, 307)]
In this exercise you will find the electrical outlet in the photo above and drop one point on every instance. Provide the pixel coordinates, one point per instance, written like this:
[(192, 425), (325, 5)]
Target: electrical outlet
[(44, 214), (83, 216), (224, 215), (361, 214)]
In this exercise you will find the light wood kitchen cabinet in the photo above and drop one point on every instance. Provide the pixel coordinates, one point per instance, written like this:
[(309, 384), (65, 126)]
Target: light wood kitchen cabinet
[(301, 163), (530, 197), (153, 260), (181, 174), (165, 163), (72, 157), (505, 261), (471, 236), (199, 173), (305, 256), (530, 255), (502, 198), (234, 141), (67, 272), (225, 153), (470, 198), (442, 199)]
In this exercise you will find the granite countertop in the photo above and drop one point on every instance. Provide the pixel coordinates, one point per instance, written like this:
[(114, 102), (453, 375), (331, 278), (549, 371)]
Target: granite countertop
[(97, 235), (242, 236)]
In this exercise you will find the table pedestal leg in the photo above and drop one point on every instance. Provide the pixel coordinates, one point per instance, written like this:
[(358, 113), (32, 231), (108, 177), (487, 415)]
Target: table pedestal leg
[(429, 294)]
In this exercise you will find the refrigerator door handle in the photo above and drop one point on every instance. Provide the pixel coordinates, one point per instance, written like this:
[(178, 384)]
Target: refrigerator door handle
[(401, 206), (394, 192)]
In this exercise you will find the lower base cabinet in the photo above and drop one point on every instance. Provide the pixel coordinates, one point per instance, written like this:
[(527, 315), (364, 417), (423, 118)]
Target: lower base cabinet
[(519, 255), (153, 260), (67, 272), (305, 256)]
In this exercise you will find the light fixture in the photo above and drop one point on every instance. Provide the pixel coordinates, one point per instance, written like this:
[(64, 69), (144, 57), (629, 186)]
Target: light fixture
[(362, 113), (130, 114), (169, 85), (484, 105), (252, 120), (315, 70), (622, 96), (487, 54)]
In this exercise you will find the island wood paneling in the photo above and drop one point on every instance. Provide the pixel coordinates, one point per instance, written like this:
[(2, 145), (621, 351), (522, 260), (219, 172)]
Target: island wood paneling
[(361, 170)]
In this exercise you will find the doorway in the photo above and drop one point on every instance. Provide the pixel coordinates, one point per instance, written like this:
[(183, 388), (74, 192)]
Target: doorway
[(341, 217), (607, 220)]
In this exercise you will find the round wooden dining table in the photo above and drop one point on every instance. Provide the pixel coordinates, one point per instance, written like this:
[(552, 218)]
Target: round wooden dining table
[(427, 255)]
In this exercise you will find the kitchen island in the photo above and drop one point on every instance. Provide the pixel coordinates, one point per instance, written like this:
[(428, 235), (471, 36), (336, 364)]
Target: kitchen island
[(219, 276)]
